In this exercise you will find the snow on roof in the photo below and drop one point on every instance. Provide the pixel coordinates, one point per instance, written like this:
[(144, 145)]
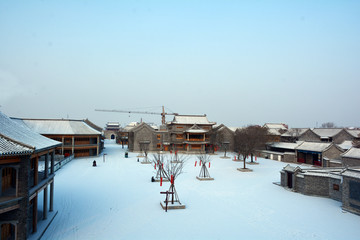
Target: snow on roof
[(352, 153), (294, 131), (24, 135), (354, 173), (9, 147), (196, 129), (234, 128), (354, 132), (285, 145), (313, 146), (191, 119), (275, 126), (274, 131), (345, 145), (113, 124), (59, 126), (326, 132)]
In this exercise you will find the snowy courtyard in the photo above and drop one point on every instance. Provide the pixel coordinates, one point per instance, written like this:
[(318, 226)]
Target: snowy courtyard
[(117, 200)]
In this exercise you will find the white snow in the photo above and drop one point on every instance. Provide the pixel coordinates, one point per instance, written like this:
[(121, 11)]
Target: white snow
[(117, 200)]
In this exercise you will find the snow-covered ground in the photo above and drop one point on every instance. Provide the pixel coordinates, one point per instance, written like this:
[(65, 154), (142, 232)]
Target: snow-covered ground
[(117, 200)]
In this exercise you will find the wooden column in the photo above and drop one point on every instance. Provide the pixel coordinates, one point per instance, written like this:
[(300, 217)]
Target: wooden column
[(73, 145), (46, 173), (52, 162), (51, 196), (45, 206), (98, 144), (62, 146), (36, 170)]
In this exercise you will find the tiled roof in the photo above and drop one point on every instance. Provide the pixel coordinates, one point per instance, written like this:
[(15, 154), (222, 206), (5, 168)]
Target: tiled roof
[(313, 146), (354, 132), (352, 153), (58, 126), (24, 135), (192, 119), (275, 125), (345, 145), (326, 132), (294, 131), (285, 145), (9, 147)]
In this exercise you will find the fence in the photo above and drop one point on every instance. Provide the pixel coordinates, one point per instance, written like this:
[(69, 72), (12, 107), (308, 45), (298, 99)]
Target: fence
[(63, 162)]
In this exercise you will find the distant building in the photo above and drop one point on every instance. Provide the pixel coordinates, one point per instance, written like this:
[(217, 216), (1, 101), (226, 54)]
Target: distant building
[(77, 137), (22, 180), (275, 130), (112, 130), (351, 157), (186, 133)]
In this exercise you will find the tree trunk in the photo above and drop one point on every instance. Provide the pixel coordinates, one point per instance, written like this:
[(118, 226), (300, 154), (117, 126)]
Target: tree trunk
[(244, 162), (252, 155)]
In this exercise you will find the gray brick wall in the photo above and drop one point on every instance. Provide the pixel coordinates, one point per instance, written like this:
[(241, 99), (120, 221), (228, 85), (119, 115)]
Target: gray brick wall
[(350, 161), (309, 136), (335, 193), (349, 204)]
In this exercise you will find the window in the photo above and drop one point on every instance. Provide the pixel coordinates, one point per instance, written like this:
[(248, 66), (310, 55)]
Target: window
[(158, 146), (158, 136), (336, 187)]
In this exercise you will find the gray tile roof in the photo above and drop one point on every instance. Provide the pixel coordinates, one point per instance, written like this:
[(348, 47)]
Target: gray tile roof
[(294, 131), (9, 147), (313, 146), (285, 145), (192, 119), (354, 132), (24, 135), (58, 126), (326, 132), (352, 153)]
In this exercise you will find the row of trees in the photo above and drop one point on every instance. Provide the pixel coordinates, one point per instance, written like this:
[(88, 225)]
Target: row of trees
[(248, 140)]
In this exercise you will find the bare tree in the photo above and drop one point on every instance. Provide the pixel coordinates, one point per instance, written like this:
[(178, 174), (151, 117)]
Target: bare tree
[(172, 169), (204, 173), (158, 163), (249, 139), (328, 125)]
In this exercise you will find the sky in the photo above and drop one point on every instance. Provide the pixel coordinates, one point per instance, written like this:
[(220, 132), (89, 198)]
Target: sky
[(239, 62)]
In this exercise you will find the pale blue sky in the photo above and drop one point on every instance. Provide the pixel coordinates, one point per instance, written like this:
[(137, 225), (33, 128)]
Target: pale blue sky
[(240, 62)]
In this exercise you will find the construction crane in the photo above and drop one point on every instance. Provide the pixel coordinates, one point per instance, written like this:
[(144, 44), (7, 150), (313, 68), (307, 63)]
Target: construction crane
[(163, 113)]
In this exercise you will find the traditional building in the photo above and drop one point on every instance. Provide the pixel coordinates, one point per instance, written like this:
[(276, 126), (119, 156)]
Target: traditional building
[(351, 157), (319, 154), (112, 130), (186, 133), (22, 180), (76, 136), (222, 138), (293, 134), (340, 184), (275, 130), (190, 133)]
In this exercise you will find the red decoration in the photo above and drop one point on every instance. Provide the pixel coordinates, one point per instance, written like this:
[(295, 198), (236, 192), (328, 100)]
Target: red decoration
[(172, 179), (155, 166), (161, 182), (195, 163), (209, 164)]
